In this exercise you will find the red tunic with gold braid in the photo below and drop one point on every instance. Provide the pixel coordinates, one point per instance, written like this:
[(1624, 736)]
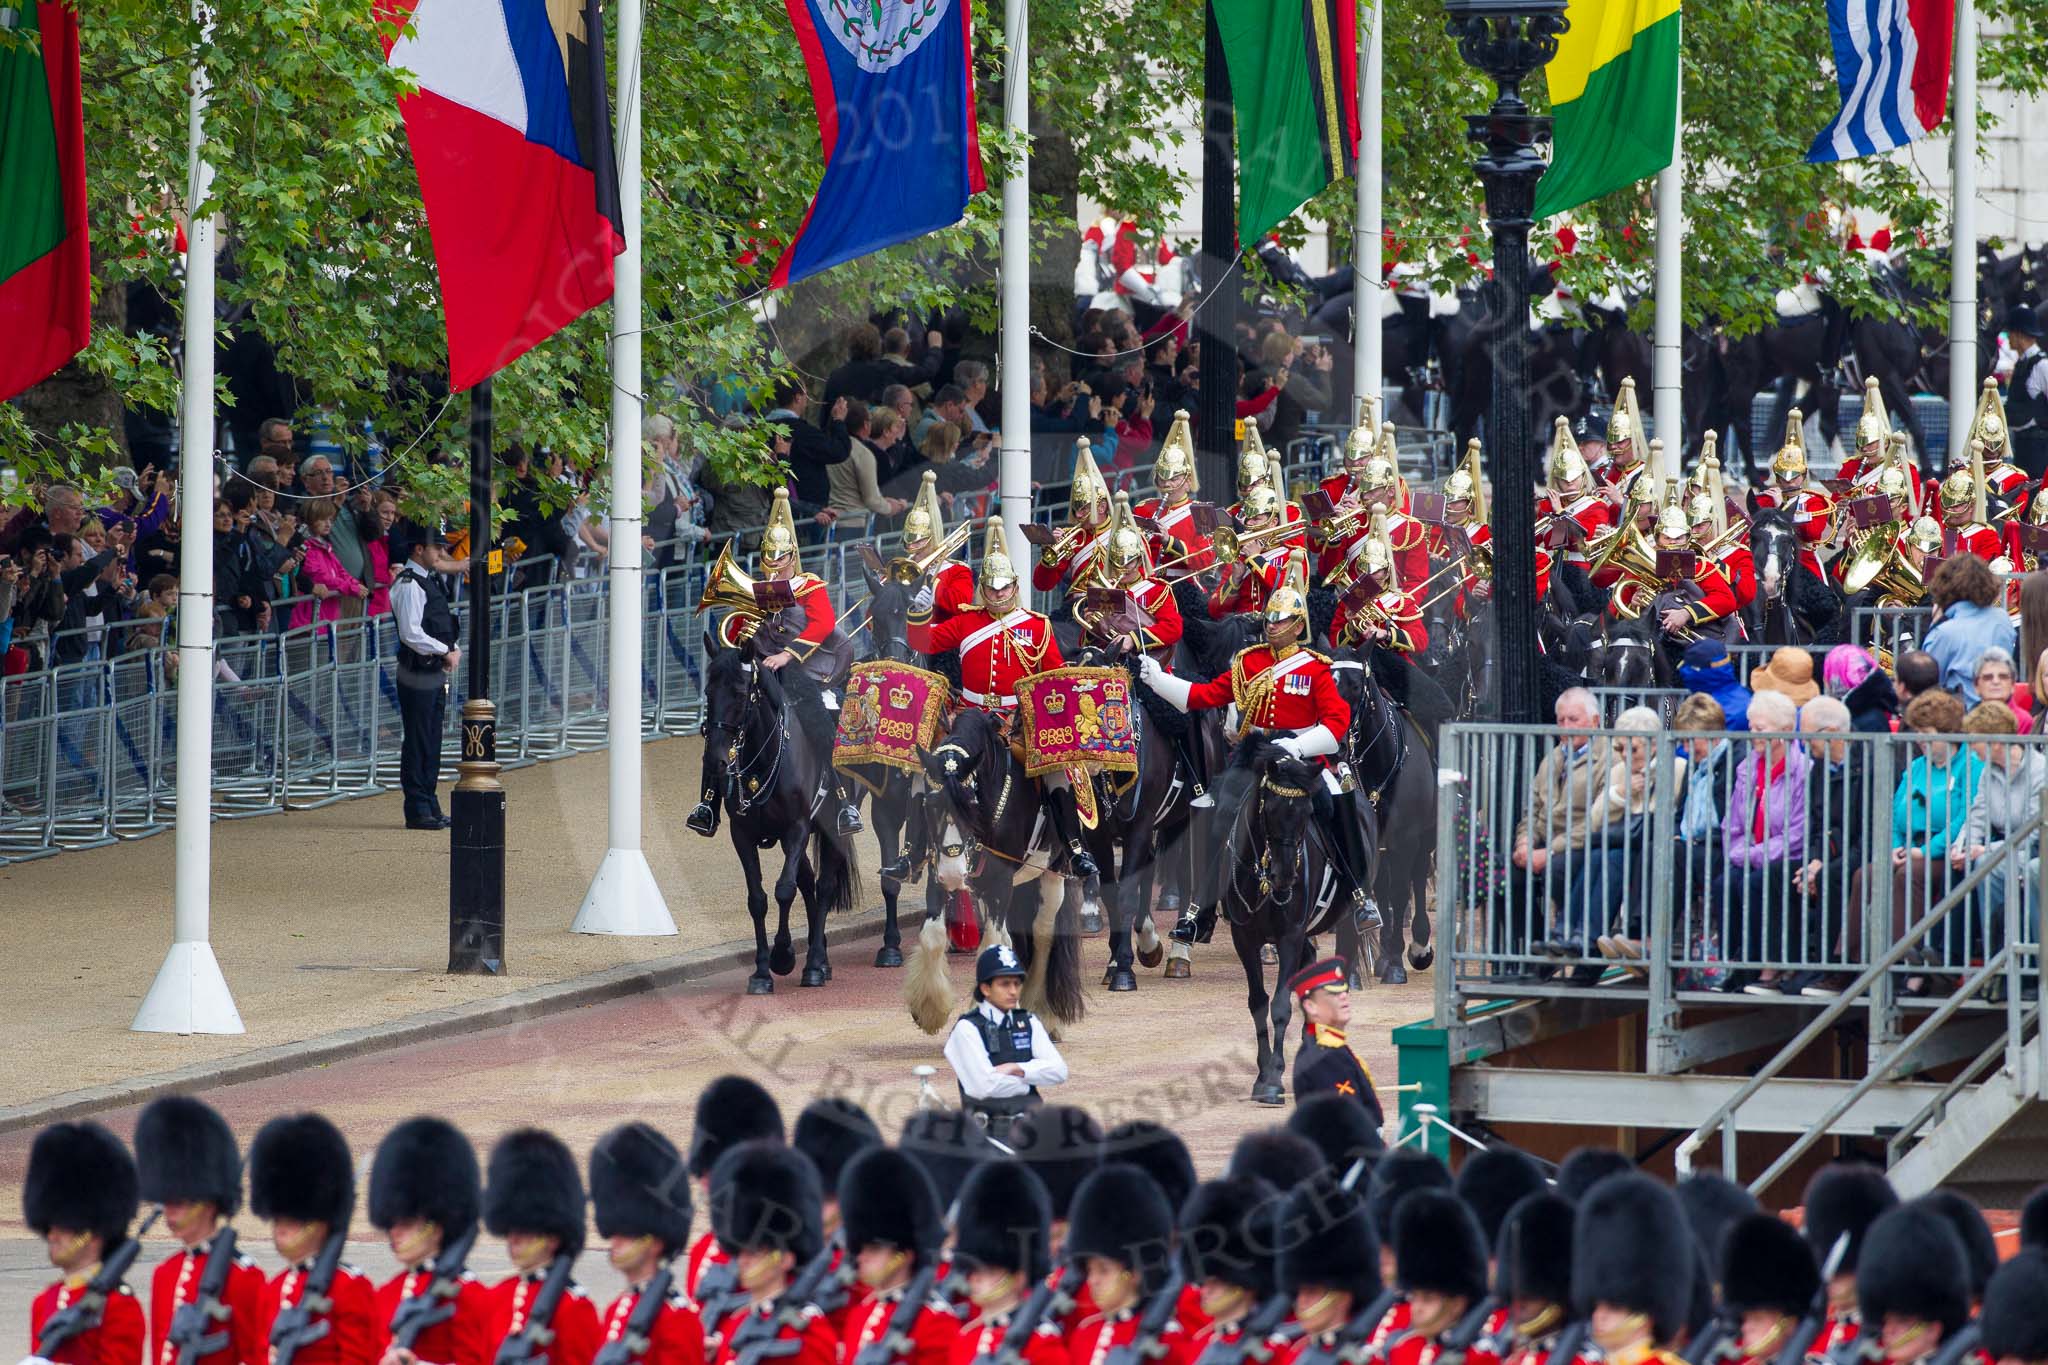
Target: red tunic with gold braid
[(1975, 539), (952, 590), (1101, 1333), (704, 1253), (1811, 510), (994, 652), (1071, 568), (1716, 599), (813, 599), (932, 1333), (1593, 513), (1410, 539), (461, 1340), (983, 1336), (1177, 536), (577, 1334), (678, 1334), (1263, 574), (352, 1330), (1862, 478), (2006, 482), (1293, 693), (119, 1339), (1159, 638), (176, 1282), (1402, 616), (1738, 566)]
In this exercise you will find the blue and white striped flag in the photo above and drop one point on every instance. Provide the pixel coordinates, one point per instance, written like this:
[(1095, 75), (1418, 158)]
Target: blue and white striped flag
[(1892, 67)]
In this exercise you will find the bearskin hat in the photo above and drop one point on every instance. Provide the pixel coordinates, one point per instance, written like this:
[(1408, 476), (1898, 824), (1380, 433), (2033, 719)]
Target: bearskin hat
[(1624, 1253), (1586, 1167), (1400, 1173), (948, 1144), (886, 1197), (1340, 1127), (1979, 1246), (1121, 1215), (2012, 1321), (1495, 1180), (830, 1131), (639, 1187), (425, 1168), (300, 1167), (1004, 1220), (1326, 1237), (1844, 1197), (1061, 1145), (2034, 1220), (765, 1196), (184, 1150), (1533, 1255), (1712, 1202), (532, 1185), (1766, 1264), (1913, 1264), (1438, 1245), (1227, 1233), (731, 1110), (1158, 1152), (80, 1177), (1276, 1156)]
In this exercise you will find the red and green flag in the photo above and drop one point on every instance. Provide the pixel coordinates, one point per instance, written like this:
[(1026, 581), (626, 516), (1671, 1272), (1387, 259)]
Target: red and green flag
[(45, 259), (1614, 95), (1294, 89)]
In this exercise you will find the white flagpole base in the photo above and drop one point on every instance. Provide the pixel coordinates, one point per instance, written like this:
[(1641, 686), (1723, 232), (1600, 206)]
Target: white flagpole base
[(189, 995), (623, 899)]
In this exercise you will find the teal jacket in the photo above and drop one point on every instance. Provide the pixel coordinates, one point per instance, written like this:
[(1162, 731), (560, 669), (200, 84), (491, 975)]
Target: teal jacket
[(1932, 804)]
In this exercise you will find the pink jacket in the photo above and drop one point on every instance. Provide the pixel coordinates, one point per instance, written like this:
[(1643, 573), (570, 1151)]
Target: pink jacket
[(381, 578), (324, 568)]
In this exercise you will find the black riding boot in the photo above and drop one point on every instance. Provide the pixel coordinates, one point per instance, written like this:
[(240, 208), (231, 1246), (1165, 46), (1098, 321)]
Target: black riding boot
[(1350, 844), (1066, 821), (849, 809), (911, 854), (704, 819)]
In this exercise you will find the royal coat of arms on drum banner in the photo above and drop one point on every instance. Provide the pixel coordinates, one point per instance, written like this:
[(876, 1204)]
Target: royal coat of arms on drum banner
[(1078, 717), (889, 711)]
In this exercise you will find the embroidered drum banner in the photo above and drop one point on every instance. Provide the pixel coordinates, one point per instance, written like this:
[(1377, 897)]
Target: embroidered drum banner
[(1077, 716), (889, 710)]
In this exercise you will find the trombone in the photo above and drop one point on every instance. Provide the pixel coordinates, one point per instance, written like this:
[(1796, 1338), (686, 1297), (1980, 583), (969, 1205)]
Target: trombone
[(1228, 546), (907, 569)]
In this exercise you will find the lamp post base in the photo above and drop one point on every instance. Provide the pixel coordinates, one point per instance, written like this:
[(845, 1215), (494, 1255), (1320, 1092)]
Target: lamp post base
[(476, 851), (624, 899), (189, 995)]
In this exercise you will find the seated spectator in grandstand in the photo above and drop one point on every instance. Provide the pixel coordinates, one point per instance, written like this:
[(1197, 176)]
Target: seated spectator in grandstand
[(948, 405), (1997, 681), (1551, 838), (1614, 868), (889, 439), (1790, 671), (1969, 607), (2008, 798), (1837, 821), (1707, 668), (856, 491), (1763, 837), (972, 377), (1853, 678), (1710, 763), (1930, 810), (324, 578), (1914, 672)]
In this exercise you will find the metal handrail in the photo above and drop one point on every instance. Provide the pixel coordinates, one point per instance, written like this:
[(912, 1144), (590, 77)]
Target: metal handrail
[(1719, 1120), (1967, 1076)]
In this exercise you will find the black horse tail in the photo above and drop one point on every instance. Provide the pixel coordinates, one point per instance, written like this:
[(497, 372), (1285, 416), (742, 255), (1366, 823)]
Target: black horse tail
[(1062, 949), (839, 887)]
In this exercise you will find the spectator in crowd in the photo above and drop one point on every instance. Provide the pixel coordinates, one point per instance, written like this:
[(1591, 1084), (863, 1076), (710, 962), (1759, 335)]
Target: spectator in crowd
[(98, 591), (1707, 668), (1711, 764), (39, 602), (855, 490), (913, 373), (1996, 680), (326, 580), (240, 583), (1914, 672), (159, 602), (889, 439), (1790, 671), (900, 400), (812, 450), (1763, 837), (1614, 867), (1305, 388), (1550, 839), (1970, 618), (63, 512), (2008, 798), (675, 481), (1929, 810), (948, 405), (1838, 801), (972, 378), (1854, 679), (371, 523), (137, 501), (1127, 412), (534, 524), (2034, 633), (274, 443), (158, 551), (1072, 409), (864, 374)]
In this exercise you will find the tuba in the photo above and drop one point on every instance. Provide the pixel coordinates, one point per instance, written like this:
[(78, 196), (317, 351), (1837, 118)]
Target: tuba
[(1877, 563), (1621, 547), (728, 585)]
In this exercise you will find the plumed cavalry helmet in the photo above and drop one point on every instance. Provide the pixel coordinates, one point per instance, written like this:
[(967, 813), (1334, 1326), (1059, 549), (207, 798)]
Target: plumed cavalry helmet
[(1988, 425), (1566, 464), (924, 521), (1957, 489), (1895, 479), (1966, 484), (1673, 522), (1364, 439), (1177, 456), (1377, 557), (996, 571), (1090, 490), (1253, 465), (1700, 507), (1289, 601), (1874, 427), (1261, 502), (1625, 427), (1925, 535), (1126, 542), (1381, 471), (1465, 484), (778, 541), (1789, 464)]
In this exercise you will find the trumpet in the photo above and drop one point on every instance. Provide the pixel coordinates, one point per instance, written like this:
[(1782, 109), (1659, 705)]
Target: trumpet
[(1068, 541)]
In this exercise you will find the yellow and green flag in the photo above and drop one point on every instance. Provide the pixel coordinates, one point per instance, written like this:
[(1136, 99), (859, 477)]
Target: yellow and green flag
[(1614, 94)]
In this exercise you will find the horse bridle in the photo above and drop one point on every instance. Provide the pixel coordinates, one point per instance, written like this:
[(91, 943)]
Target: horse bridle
[(748, 793)]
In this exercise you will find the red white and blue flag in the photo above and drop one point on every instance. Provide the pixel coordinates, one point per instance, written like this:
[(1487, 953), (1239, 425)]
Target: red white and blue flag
[(512, 137), (1891, 65), (893, 83)]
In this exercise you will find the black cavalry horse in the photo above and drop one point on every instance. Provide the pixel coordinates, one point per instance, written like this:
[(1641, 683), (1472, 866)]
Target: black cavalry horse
[(1396, 773), (774, 784), (1791, 606)]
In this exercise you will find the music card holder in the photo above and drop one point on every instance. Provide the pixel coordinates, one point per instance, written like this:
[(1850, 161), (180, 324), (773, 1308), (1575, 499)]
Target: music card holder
[(1131, 619), (1949, 541), (773, 595), (1316, 505), (871, 558), (1428, 507), (1865, 513), (1565, 531), (1105, 602), (1207, 518), (1676, 566), (1149, 525), (1040, 536), (1363, 589), (2033, 539), (1837, 486)]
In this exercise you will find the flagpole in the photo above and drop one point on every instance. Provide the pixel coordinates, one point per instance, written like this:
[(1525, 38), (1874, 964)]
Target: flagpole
[(1014, 457), (190, 994), (1667, 372), (1962, 284), (1368, 355), (624, 897)]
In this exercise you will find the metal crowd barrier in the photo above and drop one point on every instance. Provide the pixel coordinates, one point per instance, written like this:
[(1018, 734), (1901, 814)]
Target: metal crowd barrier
[(1554, 840)]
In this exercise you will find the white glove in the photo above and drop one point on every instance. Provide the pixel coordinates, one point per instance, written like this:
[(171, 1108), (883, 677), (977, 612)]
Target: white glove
[(1174, 690), (1314, 742), (1150, 670), (921, 601), (1289, 746)]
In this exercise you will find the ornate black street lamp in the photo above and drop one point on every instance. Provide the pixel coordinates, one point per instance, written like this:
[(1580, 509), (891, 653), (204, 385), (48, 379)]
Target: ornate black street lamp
[(1508, 40)]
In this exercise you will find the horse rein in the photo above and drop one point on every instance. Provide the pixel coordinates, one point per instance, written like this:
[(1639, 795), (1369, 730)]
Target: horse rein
[(746, 797)]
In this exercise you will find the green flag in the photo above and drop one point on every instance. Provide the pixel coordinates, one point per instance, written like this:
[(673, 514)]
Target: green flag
[(1294, 89), (1614, 94), (45, 261)]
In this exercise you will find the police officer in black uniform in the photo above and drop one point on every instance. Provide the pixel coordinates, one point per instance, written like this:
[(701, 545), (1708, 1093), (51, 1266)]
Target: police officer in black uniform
[(999, 1051), (2026, 404), (429, 648)]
